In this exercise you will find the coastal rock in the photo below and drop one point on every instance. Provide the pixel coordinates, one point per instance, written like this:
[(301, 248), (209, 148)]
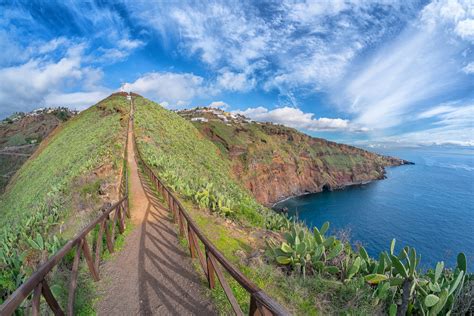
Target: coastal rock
[(275, 162)]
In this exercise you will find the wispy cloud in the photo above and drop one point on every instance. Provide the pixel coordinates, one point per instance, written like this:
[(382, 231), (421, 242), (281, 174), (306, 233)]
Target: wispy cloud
[(296, 118), (469, 68), (219, 104), (436, 111), (425, 62), (29, 85), (282, 46), (453, 125), (38, 68)]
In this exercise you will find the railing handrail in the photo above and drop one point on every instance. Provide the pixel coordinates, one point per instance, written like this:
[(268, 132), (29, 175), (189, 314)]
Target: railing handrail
[(37, 279), (259, 298)]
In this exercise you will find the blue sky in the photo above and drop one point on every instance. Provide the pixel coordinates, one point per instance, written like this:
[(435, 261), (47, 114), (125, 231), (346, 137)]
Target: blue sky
[(360, 72)]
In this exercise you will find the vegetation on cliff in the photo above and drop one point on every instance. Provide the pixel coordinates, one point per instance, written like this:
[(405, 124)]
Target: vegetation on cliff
[(275, 161), (71, 174)]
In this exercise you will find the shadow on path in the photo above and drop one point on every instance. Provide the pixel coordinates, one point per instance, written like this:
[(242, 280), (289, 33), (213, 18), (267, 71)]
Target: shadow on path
[(151, 275)]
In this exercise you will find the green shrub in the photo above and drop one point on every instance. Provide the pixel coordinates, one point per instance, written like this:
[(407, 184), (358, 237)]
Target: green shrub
[(17, 140), (395, 279)]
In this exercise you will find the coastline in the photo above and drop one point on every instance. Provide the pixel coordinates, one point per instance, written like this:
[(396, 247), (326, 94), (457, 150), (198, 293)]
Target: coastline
[(341, 187)]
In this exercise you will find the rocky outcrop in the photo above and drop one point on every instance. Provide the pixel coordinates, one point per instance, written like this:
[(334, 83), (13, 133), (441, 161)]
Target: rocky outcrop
[(276, 162), (21, 134), (272, 182)]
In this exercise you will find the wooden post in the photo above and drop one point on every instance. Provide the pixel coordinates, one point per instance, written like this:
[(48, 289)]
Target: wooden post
[(48, 295), (114, 223), (181, 223), (211, 278), (108, 238), (191, 242), (175, 206), (36, 302), (127, 205), (253, 311), (98, 245), (90, 263), (202, 260), (73, 284), (120, 219)]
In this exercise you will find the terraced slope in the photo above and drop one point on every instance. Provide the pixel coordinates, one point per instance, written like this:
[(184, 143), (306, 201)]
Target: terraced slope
[(275, 162), (20, 135)]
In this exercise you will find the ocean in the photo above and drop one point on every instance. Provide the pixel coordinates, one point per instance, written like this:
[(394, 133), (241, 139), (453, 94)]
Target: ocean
[(428, 205)]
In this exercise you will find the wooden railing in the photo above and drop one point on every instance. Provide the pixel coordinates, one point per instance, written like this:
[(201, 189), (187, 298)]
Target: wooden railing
[(112, 217), (211, 259)]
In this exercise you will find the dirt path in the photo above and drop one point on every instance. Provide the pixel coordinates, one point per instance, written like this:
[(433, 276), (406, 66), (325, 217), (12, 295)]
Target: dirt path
[(151, 275)]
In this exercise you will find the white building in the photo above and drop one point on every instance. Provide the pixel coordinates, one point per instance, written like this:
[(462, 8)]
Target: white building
[(199, 119)]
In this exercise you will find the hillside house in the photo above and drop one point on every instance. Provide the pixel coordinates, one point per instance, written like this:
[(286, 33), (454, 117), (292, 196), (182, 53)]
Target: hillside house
[(199, 119)]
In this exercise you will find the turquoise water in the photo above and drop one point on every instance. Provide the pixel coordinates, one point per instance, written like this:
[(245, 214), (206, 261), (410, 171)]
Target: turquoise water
[(429, 205)]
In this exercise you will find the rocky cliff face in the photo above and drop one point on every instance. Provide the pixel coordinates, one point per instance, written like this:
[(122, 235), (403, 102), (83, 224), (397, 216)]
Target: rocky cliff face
[(275, 162), (20, 135)]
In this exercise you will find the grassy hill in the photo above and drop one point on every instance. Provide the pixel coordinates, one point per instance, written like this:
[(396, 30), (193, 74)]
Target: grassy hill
[(275, 162), (190, 163), (72, 173)]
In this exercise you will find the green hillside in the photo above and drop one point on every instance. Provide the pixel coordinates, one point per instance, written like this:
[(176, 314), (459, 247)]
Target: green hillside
[(58, 187), (191, 164)]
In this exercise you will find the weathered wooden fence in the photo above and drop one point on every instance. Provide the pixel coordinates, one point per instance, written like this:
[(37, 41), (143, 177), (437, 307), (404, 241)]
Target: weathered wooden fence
[(112, 218), (212, 259)]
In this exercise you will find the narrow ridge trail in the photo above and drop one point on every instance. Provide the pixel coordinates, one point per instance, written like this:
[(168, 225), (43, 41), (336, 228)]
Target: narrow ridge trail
[(152, 274)]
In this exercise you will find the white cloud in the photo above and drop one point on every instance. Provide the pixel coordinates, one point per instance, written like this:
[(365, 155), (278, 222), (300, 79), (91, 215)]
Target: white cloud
[(435, 111), (450, 123), (129, 43), (288, 45), (296, 118), (308, 11), (454, 125), (465, 29), (29, 85), (423, 63), (121, 51), (232, 81), (76, 100), (219, 33), (219, 104), (176, 89), (52, 45), (469, 68)]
